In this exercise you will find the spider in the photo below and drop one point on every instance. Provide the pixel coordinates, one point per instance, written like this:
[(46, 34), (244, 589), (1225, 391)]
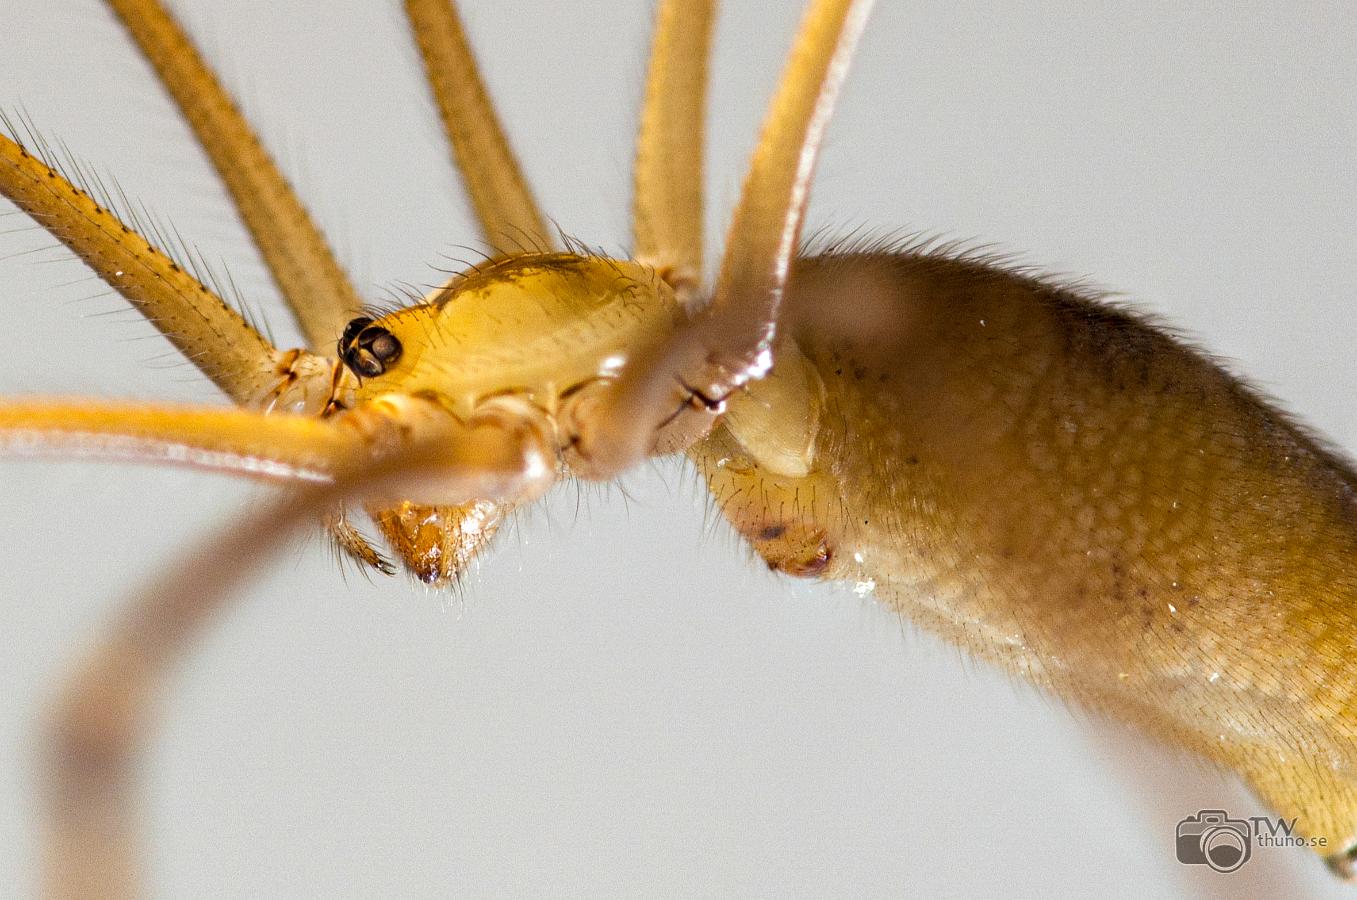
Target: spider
[(823, 192)]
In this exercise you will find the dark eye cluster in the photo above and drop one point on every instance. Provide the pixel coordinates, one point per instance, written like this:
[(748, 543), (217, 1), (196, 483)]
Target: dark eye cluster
[(368, 349)]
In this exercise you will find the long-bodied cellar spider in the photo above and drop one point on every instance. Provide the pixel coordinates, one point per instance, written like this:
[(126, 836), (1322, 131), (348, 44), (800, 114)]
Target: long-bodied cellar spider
[(994, 214)]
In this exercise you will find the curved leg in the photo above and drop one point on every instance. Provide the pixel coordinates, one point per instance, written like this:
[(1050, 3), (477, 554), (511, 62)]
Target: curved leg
[(731, 341), (106, 712), (766, 227)]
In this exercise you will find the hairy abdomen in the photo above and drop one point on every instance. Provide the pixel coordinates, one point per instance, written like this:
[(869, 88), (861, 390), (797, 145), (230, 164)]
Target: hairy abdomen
[(1063, 489)]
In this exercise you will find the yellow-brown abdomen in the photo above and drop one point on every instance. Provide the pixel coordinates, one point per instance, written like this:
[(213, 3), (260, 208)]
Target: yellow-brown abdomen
[(1068, 491)]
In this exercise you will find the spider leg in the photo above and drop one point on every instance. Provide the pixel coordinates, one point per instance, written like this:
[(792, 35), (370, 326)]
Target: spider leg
[(208, 332), (225, 439), (309, 277), (667, 215), (766, 227), (732, 341), (212, 335), (667, 180), (499, 193), (105, 715)]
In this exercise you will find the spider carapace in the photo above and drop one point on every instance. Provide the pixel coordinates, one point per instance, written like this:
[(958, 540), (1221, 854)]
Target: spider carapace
[(1045, 479)]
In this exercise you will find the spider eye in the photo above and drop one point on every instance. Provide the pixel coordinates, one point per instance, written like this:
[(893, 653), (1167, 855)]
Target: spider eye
[(351, 331), (381, 344), (368, 349)]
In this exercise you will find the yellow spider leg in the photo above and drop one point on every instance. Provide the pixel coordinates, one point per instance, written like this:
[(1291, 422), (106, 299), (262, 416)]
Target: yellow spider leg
[(667, 200), (307, 274), (209, 333), (223, 439), (731, 342), (106, 713), (310, 279), (502, 199), (204, 329), (767, 223)]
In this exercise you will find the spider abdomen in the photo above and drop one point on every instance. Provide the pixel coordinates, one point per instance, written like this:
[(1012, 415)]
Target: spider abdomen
[(1069, 491)]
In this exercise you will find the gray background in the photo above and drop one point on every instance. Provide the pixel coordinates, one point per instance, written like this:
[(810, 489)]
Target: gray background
[(619, 700)]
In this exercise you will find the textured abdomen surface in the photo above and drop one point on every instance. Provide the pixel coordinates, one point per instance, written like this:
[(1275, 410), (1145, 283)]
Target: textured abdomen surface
[(1062, 488)]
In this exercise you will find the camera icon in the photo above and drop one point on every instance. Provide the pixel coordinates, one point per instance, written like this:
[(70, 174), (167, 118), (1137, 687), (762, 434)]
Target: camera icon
[(1213, 839)]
